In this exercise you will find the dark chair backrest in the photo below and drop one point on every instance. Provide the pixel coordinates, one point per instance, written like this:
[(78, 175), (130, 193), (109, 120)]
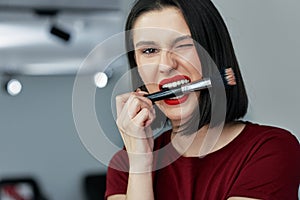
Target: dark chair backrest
[(94, 186), (20, 189)]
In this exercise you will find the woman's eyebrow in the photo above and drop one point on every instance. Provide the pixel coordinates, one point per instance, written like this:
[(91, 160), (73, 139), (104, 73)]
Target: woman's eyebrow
[(179, 39), (144, 43)]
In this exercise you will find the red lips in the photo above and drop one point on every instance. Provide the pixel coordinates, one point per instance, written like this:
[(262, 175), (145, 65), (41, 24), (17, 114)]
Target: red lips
[(170, 80)]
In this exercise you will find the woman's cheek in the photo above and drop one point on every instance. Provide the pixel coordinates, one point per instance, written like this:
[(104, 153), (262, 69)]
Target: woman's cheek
[(149, 77), (191, 62)]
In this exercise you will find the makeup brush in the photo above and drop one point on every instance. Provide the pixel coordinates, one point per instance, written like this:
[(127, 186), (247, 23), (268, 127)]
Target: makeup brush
[(227, 78)]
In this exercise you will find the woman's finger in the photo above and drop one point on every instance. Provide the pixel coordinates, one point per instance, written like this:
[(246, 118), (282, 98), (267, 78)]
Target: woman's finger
[(121, 101), (142, 117), (136, 103)]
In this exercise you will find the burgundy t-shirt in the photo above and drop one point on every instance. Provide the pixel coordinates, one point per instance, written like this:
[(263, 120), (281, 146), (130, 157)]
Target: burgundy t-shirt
[(262, 162)]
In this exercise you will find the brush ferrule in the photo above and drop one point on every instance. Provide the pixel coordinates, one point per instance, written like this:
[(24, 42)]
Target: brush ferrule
[(202, 84)]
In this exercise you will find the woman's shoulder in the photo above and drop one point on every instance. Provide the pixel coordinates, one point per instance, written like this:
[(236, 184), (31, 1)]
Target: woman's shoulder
[(267, 131), (268, 138)]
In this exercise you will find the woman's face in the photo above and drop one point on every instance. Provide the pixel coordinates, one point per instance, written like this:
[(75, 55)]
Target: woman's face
[(166, 57)]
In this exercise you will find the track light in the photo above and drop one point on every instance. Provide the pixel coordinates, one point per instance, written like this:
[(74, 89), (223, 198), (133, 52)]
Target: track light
[(60, 33), (54, 29), (13, 87), (101, 78)]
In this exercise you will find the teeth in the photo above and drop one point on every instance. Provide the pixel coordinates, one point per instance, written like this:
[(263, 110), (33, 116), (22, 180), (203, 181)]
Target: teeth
[(175, 84), (177, 97)]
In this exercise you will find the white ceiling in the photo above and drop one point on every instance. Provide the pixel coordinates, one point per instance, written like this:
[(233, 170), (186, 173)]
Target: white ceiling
[(27, 47), (64, 4)]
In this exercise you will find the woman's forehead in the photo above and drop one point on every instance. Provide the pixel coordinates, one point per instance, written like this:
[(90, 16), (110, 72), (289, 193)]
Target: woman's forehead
[(158, 36), (160, 24)]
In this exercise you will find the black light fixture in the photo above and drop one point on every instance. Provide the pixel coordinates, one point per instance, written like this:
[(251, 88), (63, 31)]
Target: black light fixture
[(60, 33), (55, 30)]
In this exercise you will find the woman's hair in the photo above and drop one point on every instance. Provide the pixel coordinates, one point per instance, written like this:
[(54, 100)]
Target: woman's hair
[(210, 32)]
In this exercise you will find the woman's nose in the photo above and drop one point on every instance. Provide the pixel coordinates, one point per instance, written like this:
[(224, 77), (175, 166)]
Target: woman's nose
[(167, 62)]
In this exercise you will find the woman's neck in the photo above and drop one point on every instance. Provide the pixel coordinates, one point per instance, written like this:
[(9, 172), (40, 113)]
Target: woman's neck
[(206, 140)]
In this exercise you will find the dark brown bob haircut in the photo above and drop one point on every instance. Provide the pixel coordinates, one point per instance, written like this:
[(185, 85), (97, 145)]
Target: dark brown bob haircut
[(209, 30)]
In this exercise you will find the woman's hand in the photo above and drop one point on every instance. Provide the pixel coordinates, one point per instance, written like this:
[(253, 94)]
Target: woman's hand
[(135, 113)]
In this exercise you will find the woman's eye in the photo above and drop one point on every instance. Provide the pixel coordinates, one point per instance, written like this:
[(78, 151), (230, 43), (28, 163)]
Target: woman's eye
[(149, 51)]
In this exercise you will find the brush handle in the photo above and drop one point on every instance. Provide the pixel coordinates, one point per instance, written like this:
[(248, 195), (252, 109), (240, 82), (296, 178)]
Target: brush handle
[(169, 93), (164, 94)]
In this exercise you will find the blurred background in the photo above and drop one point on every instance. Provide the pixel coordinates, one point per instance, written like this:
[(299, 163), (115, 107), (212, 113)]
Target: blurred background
[(43, 44)]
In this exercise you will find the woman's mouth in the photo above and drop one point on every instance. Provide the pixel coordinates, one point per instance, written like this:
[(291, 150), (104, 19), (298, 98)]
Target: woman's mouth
[(173, 82)]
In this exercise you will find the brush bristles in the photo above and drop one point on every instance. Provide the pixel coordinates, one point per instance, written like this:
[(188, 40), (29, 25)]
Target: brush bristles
[(229, 77)]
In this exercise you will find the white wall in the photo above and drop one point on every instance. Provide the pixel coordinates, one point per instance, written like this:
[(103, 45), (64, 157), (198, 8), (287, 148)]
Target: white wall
[(266, 39), (38, 136)]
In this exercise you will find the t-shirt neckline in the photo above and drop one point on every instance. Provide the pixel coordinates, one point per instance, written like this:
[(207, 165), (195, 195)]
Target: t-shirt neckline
[(227, 147)]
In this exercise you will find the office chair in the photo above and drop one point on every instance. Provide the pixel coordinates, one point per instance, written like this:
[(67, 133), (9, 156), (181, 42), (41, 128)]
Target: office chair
[(94, 186), (20, 189)]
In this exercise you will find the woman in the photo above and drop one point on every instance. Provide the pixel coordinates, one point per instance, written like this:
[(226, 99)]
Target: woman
[(247, 161)]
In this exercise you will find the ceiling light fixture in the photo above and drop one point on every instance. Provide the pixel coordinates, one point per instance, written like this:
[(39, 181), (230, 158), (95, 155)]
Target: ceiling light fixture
[(60, 33), (55, 30), (13, 87), (101, 78)]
